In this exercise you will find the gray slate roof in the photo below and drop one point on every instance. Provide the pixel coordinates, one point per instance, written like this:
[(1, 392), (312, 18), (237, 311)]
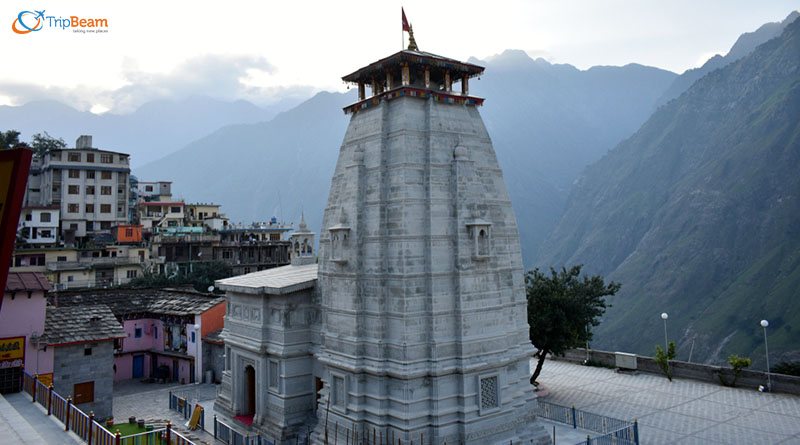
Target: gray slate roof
[(165, 301), (80, 324), (275, 281)]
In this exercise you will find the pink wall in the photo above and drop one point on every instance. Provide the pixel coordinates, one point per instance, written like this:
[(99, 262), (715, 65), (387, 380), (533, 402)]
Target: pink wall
[(21, 316), (124, 364), (150, 327)]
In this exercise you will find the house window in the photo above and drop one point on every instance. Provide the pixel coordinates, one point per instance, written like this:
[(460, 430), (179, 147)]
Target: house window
[(105, 190), (44, 217), (90, 190), (70, 279), (45, 234), (61, 258), (73, 190), (74, 174), (87, 351), (90, 174), (274, 236), (129, 232), (74, 157), (192, 337), (148, 188), (175, 209), (72, 208), (137, 333), (105, 175), (83, 393), (89, 157), (131, 274), (89, 208), (106, 158), (155, 332), (105, 208), (28, 217), (105, 225)]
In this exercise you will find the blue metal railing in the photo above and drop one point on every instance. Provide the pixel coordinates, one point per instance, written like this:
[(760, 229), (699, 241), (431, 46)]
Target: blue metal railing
[(614, 431)]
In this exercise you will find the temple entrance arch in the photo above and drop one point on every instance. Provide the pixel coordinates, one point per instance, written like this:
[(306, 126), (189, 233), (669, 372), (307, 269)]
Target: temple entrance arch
[(249, 407)]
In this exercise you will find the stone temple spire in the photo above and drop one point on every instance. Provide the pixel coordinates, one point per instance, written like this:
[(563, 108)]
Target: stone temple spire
[(302, 250), (421, 287)]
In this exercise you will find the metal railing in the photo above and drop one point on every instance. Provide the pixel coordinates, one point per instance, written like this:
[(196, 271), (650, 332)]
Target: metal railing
[(88, 429), (183, 405), (614, 431), (226, 434)]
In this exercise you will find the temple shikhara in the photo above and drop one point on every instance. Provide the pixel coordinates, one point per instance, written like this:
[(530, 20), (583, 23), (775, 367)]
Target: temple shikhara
[(412, 324)]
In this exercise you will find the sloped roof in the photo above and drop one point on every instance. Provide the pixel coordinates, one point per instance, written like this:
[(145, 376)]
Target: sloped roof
[(275, 281), (79, 324), (27, 281), (215, 337), (165, 301)]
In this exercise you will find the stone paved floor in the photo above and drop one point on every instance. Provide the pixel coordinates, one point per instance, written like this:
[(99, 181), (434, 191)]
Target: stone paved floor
[(23, 422), (678, 412), (150, 401)]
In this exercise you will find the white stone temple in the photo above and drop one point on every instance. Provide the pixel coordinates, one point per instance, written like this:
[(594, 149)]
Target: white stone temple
[(412, 324)]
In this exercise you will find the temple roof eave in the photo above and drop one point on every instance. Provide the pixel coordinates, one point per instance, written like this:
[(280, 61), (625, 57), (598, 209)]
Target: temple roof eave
[(418, 57)]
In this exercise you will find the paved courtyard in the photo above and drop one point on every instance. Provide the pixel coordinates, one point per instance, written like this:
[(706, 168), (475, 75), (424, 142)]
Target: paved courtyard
[(678, 412)]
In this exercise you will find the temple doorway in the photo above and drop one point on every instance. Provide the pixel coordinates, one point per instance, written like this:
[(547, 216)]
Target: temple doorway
[(250, 391)]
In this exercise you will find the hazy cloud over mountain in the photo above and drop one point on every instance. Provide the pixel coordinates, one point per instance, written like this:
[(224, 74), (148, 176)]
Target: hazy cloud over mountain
[(220, 76)]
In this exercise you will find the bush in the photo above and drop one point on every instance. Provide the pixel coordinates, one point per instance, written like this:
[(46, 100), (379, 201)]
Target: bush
[(737, 363), (663, 359)]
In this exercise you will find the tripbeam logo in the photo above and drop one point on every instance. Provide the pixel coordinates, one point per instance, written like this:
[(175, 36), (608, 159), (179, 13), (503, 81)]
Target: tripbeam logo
[(28, 21)]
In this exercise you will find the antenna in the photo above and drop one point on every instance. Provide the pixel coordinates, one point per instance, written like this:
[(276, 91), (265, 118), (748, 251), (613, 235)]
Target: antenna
[(280, 205)]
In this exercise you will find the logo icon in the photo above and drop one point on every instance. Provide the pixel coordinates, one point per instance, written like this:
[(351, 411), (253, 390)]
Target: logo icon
[(38, 16)]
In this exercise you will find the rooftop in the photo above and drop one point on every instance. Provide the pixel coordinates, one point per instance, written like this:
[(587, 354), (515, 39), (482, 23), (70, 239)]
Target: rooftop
[(27, 281), (66, 325), (422, 58), (124, 301), (276, 281)]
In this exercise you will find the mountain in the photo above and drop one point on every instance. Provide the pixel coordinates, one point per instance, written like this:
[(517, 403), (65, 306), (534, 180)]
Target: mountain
[(744, 45), (152, 131), (696, 215), (547, 122), (255, 171)]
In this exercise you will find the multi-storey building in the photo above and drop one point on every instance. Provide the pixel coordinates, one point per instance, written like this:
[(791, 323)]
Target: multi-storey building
[(155, 190), (38, 226), (89, 186)]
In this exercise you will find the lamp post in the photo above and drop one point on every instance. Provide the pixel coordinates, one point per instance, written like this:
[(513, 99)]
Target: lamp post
[(764, 324), (664, 317)]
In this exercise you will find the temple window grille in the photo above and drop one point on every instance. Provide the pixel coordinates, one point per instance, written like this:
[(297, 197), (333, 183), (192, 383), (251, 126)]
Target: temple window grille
[(489, 399)]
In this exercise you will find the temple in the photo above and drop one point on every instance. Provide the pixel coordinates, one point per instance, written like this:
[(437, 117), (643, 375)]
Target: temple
[(412, 324)]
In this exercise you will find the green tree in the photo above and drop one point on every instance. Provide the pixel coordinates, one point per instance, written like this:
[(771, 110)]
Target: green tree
[(43, 143), (562, 308), (10, 139), (737, 363), (663, 358), (202, 276)]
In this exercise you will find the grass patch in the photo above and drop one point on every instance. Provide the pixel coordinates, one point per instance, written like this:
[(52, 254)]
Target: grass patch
[(126, 429)]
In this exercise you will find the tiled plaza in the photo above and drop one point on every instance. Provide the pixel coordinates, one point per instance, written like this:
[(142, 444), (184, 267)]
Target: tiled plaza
[(678, 412)]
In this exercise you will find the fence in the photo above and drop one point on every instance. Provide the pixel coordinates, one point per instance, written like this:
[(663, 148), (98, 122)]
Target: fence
[(184, 407), (85, 427), (614, 431), (225, 433)]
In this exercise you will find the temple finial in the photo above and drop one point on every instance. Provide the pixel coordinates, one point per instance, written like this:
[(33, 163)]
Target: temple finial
[(412, 44)]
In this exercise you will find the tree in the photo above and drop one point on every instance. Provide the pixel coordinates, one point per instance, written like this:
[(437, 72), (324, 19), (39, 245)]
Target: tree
[(562, 308), (662, 358), (10, 139), (42, 144), (202, 276)]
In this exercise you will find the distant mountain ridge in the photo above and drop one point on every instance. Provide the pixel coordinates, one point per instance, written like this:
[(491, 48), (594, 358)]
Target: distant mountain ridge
[(547, 122), (744, 45), (155, 129), (697, 215)]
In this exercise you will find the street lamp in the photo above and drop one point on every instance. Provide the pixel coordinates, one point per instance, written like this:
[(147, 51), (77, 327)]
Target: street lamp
[(764, 324), (664, 317)]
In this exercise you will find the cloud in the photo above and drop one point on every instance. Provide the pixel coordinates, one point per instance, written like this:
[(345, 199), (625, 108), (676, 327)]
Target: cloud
[(225, 77)]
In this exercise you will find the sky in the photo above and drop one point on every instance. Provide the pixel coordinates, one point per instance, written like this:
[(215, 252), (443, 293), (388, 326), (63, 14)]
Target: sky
[(265, 51)]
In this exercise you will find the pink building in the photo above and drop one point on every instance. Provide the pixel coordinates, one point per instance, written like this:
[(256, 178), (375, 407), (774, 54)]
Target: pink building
[(22, 315), (164, 329)]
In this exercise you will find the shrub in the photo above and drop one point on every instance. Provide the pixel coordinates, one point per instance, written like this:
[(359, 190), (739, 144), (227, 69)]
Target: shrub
[(663, 359)]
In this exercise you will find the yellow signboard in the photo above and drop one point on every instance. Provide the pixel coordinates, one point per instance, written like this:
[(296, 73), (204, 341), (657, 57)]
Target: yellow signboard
[(12, 352), (198, 411), (46, 379)]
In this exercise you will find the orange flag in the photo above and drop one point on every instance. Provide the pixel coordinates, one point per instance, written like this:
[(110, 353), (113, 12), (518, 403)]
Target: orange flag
[(405, 21)]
